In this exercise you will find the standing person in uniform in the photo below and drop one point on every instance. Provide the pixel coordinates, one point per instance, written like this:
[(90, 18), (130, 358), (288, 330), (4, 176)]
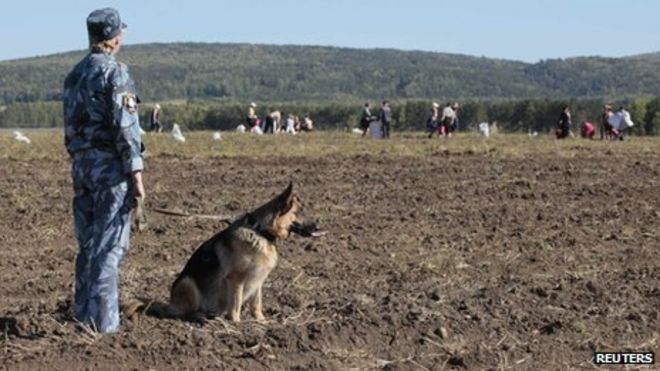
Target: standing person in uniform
[(564, 123), (102, 136), (386, 118), (155, 120)]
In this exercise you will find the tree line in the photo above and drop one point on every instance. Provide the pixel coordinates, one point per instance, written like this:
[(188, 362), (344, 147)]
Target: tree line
[(192, 71), (207, 86), (511, 116)]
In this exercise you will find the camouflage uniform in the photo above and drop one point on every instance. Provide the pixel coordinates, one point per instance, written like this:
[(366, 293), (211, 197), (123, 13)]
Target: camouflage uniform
[(102, 135)]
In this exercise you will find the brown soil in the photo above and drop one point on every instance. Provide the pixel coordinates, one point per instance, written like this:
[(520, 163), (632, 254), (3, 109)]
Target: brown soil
[(467, 260)]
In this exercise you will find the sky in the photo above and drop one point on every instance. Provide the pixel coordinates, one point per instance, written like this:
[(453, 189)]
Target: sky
[(525, 30)]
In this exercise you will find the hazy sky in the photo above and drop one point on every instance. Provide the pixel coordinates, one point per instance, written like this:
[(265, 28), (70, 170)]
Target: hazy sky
[(526, 30)]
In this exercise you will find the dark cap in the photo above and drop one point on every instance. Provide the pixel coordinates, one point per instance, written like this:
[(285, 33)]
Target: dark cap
[(104, 24)]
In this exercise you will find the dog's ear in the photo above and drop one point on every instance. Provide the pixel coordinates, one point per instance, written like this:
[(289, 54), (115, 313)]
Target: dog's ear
[(286, 198)]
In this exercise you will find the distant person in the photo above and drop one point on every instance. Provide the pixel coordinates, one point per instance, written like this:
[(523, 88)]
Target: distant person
[(605, 128), (484, 129), (587, 131), (297, 125), (272, 122), (447, 120), (366, 118), (454, 124), (432, 122), (102, 136), (564, 123), (386, 118), (252, 119), (625, 123), (155, 120), (307, 124), (290, 124)]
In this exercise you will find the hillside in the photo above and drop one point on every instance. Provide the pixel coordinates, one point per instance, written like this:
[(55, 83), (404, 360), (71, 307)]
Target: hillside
[(310, 73)]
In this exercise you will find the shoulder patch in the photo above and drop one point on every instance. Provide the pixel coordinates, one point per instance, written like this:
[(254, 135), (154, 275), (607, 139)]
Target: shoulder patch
[(129, 101)]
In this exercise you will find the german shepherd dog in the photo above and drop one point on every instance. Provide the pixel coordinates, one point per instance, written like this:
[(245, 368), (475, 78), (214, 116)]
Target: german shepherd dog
[(229, 269)]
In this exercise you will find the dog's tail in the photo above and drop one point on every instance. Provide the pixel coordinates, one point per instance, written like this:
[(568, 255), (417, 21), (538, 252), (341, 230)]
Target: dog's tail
[(150, 308)]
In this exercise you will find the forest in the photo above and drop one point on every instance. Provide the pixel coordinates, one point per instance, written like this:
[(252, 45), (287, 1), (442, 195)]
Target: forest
[(208, 86)]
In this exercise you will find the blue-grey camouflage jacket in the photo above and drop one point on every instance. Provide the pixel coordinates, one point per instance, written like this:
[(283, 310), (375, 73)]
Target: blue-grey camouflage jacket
[(100, 110)]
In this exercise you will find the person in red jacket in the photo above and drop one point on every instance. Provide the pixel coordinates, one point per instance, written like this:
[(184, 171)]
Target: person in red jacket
[(587, 131)]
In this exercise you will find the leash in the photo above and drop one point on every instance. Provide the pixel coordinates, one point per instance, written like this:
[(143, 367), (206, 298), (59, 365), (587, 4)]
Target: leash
[(305, 230), (222, 218)]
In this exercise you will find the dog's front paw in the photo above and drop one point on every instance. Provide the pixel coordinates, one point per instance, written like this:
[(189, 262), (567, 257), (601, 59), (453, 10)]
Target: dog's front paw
[(234, 317), (198, 318), (211, 315)]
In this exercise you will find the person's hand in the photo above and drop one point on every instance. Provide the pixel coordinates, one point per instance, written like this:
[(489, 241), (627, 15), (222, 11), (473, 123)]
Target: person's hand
[(138, 187)]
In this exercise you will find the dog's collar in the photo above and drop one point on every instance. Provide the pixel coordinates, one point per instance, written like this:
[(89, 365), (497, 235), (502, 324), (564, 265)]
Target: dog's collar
[(255, 226)]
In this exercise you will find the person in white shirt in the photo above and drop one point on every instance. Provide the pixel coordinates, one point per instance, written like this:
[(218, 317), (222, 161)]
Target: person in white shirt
[(447, 119), (290, 124), (307, 124), (273, 122)]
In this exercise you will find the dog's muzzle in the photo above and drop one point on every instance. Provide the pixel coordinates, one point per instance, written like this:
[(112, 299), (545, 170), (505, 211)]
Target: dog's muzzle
[(309, 229)]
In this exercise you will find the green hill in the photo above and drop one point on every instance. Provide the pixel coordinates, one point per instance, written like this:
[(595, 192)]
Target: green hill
[(315, 74)]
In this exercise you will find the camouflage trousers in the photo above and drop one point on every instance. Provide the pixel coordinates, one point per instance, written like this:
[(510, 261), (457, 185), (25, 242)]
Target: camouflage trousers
[(101, 207)]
